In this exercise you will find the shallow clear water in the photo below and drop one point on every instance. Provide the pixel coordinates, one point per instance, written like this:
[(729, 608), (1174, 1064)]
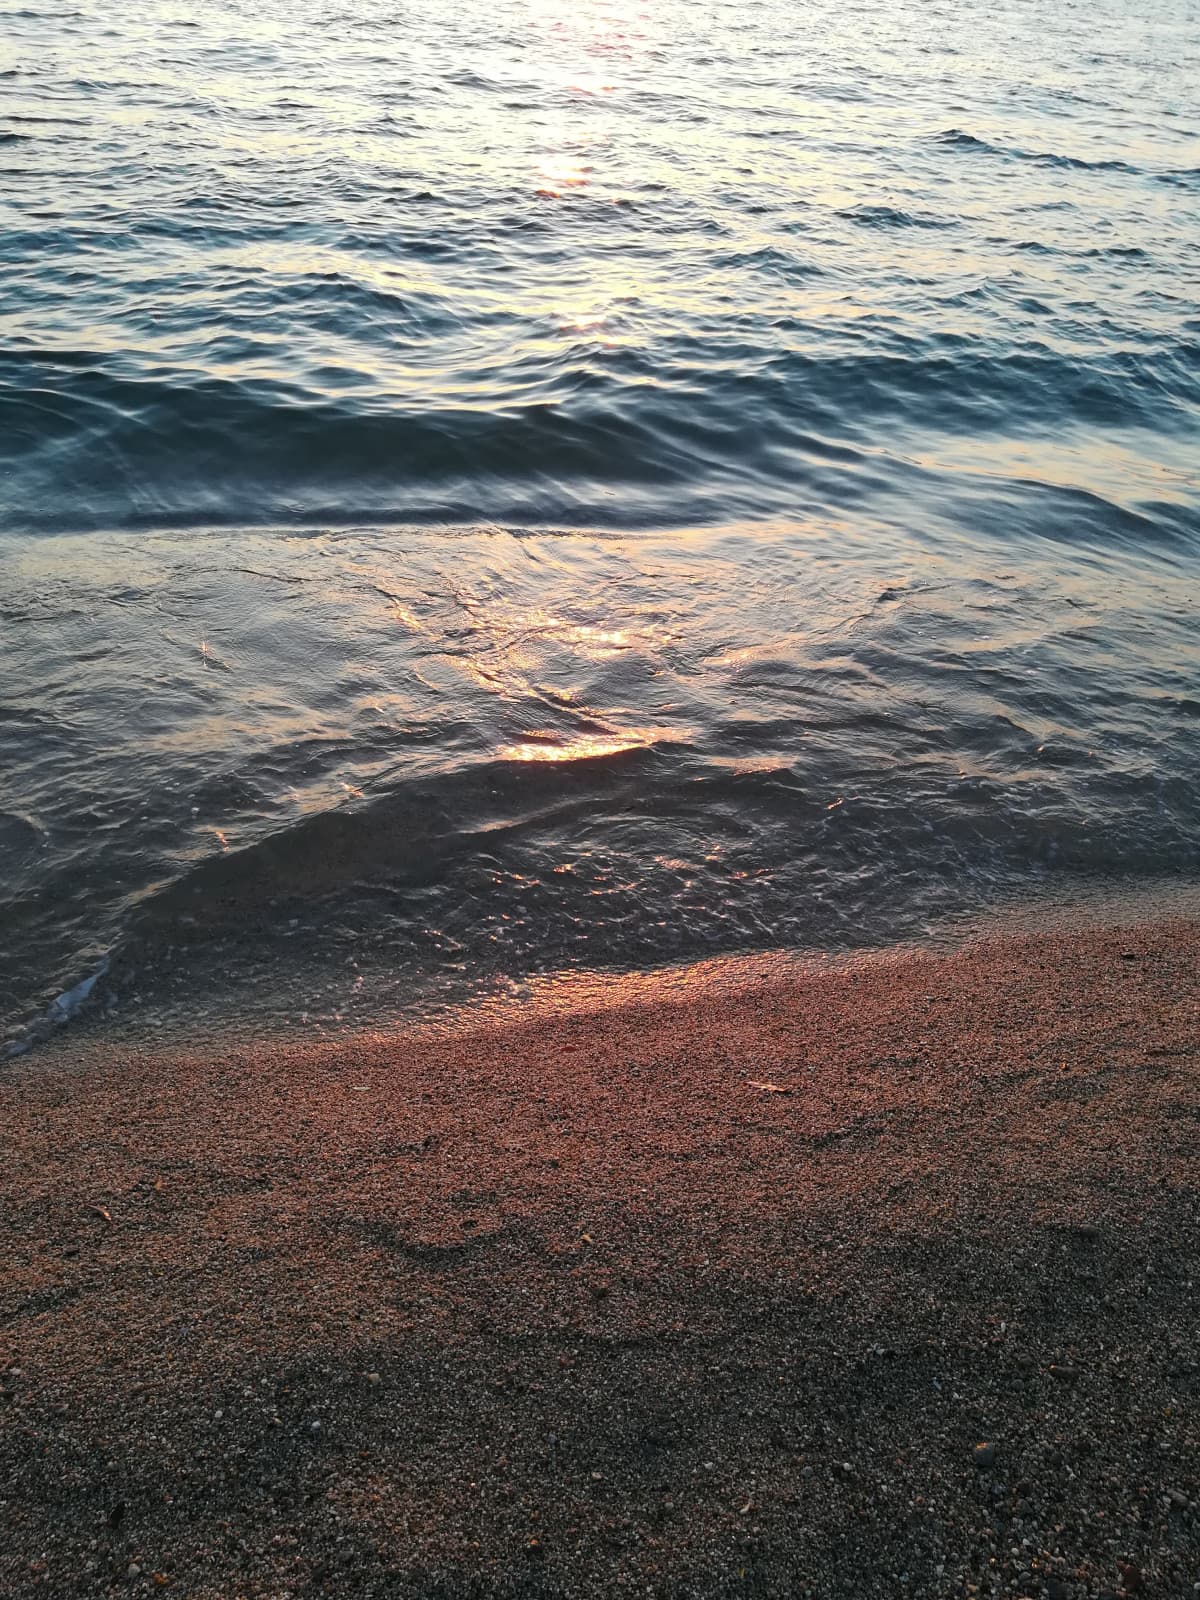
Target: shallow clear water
[(534, 485)]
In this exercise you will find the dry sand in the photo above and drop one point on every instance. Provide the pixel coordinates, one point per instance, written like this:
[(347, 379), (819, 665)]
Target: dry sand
[(571, 1304)]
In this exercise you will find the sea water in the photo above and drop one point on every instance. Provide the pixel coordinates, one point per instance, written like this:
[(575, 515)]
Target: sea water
[(495, 489)]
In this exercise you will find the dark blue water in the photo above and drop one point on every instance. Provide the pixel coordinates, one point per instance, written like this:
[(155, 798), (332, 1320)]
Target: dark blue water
[(527, 486)]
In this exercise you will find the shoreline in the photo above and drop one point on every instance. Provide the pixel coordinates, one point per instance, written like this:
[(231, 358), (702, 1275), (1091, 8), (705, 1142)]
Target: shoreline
[(712, 1292), (251, 995)]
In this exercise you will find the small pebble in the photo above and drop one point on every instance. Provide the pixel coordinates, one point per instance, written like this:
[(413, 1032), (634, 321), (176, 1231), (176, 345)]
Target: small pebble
[(984, 1455)]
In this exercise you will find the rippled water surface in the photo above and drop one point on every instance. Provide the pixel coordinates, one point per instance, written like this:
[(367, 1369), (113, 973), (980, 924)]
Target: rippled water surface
[(512, 487)]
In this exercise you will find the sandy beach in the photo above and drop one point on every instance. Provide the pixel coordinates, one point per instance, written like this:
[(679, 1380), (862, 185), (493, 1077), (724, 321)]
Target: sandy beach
[(872, 1282)]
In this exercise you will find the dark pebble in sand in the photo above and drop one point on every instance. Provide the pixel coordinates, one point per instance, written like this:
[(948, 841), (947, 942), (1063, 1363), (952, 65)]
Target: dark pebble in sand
[(984, 1455), (1064, 1372)]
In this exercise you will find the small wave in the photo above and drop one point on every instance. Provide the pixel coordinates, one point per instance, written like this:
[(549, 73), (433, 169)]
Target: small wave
[(1117, 252), (964, 141), (1183, 178), (468, 78), (56, 120), (956, 138), (893, 217), (771, 259), (62, 1009), (85, 447)]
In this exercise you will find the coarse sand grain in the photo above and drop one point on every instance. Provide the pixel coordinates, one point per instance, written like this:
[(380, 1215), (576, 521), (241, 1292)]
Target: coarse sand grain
[(872, 1282)]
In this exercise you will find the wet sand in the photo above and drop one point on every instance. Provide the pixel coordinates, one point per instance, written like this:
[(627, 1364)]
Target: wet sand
[(879, 1281)]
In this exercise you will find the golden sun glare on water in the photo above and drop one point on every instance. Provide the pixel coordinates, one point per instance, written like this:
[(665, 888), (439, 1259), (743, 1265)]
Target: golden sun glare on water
[(558, 173), (584, 747)]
